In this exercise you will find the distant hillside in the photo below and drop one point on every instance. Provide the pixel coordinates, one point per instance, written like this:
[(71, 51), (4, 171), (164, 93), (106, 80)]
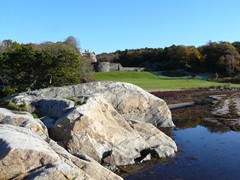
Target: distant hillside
[(222, 58)]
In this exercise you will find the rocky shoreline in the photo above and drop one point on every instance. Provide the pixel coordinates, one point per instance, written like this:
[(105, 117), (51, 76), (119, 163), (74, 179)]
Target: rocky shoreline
[(86, 130), (80, 128), (218, 107)]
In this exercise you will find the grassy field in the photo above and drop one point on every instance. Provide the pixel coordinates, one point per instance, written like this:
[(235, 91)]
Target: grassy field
[(151, 81)]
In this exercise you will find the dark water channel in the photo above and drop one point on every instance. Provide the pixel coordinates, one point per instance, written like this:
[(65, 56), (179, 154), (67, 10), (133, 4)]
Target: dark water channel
[(205, 151)]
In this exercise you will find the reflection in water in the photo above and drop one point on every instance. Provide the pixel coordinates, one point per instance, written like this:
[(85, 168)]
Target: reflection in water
[(192, 123), (205, 151), (187, 123), (215, 127), (197, 115)]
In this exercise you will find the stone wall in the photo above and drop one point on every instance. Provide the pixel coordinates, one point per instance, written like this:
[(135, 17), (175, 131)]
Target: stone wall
[(106, 67), (102, 66), (116, 67), (138, 69)]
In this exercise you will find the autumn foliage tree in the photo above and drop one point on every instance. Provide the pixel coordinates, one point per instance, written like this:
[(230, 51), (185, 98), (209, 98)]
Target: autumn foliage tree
[(221, 58), (214, 57)]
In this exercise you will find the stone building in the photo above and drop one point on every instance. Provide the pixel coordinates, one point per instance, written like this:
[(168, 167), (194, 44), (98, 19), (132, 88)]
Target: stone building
[(107, 66), (90, 55)]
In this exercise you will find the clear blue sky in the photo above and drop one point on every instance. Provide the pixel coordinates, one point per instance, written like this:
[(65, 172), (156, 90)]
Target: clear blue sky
[(110, 25)]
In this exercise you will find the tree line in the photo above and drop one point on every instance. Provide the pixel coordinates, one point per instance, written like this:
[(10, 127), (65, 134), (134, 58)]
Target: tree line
[(32, 66), (216, 57)]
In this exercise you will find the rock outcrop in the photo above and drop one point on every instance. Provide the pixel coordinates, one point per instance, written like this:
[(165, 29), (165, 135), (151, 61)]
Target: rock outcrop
[(103, 122), (54, 108), (226, 110), (24, 154), (98, 130), (132, 102), (23, 119), (160, 145)]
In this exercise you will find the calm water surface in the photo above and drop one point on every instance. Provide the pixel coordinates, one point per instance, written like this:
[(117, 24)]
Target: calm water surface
[(204, 153)]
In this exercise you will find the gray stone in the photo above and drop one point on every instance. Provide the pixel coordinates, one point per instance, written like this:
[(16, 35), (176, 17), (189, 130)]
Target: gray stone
[(91, 167), (130, 101), (38, 159), (102, 66), (47, 121), (23, 119), (226, 110), (54, 107), (223, 109), (100, 128), (21, 100), (99, 131), (159, 143)]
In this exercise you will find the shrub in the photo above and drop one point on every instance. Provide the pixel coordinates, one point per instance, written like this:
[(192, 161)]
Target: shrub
[(78, 100), (35, 115), (7, 91), (13, 106)]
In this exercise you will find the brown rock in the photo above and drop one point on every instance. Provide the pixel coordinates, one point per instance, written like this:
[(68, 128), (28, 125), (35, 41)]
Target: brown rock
[(98, 130), (26, 155), (23, 119), (129, 100)]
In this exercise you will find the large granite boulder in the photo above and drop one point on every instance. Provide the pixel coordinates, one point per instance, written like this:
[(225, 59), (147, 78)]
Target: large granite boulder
[(132, 102), (23, 119), (97, 129), (25, 155), (160, 145), (54, 108), (113, 123)]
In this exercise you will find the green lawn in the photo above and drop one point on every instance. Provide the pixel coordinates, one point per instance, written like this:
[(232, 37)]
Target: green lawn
[(151, 81)]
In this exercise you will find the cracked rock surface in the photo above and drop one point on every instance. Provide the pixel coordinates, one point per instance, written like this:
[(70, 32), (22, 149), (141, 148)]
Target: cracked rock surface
[(107, 123)]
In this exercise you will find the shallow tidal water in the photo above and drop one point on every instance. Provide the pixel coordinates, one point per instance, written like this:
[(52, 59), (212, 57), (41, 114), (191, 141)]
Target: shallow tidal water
[(203, 153)]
